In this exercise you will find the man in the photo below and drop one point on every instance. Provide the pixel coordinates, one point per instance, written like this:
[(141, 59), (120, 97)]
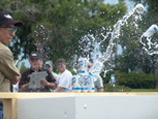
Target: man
[(8, 72), (99, 82), (64, 79), (48, 82), (49, 66)]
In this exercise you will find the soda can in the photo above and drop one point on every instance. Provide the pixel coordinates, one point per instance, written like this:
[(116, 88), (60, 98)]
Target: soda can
[(151, 30), (85, 81), (91, 87), (76, 83), (82, 66), (139, 8), (96, 69)]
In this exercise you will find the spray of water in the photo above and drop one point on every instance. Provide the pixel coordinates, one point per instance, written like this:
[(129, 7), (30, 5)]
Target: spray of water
[(116, 31), (139, 9), (98, 64), (150, 46)]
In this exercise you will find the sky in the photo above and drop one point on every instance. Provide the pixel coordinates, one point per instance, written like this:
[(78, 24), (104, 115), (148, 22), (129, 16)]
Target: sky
[(130, 5), (111, 1)]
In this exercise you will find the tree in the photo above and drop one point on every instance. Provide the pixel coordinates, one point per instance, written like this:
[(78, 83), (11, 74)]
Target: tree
[(143, 62), (23, 67), (65, 23)]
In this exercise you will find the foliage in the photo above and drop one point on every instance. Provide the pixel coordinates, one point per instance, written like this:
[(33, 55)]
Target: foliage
[(133, 80), (116, 88), (23, 67), (132, 60), (65, 21), (107, 78), (55, 28), (133, 57), (150, 17), (143, 90)]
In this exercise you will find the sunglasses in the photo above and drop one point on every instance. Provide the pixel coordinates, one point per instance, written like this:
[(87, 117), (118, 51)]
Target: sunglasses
[(34, 59), (47, 66), (59, 65), (10, 29)]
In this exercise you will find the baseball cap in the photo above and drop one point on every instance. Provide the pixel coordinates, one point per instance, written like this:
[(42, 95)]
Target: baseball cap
[(49, 63), (34, 55), (6, 19)]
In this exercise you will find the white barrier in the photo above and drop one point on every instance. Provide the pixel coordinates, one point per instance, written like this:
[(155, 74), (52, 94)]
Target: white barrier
[(86, 106)]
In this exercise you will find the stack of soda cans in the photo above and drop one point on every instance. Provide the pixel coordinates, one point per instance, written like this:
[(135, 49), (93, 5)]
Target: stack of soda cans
[(84, 80)]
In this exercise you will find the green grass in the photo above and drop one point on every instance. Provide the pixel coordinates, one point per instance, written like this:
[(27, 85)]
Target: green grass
[(143, 90)]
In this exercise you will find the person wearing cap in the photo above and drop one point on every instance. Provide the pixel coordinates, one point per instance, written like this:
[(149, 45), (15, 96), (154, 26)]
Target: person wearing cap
[(64, 79), (9, 74), (48, 82), (99, 82), (49, 66)]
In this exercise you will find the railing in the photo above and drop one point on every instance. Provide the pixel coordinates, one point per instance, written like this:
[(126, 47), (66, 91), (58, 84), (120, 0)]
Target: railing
[(80, 105)]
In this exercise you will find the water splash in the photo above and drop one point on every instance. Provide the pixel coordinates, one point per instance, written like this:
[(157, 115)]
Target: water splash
[(139, 9), (42, 37), (149, 44), (98, 64)]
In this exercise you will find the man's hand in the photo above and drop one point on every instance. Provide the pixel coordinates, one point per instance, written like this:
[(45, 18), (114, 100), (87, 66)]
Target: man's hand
[(15, 79), (18, 70), (45, 82), (59, 89), (24, 87), (101, 90), (50, 84)]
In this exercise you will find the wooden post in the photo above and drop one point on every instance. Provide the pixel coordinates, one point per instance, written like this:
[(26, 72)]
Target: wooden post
[(10, 108)]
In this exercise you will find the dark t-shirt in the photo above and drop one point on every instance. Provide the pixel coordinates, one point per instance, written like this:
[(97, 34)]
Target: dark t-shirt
[(26, 78)]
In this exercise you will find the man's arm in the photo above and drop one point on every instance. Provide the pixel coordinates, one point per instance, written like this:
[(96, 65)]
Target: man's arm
[(50, 77), (50, 80), (101, 90), (59, 89), (24, 87), (15, 79), (100, 84), (24, 82), (49, 84)]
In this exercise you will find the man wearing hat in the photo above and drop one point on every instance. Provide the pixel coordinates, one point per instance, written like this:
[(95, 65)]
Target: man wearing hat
[(48, 82), (8, 72), (49, 66)]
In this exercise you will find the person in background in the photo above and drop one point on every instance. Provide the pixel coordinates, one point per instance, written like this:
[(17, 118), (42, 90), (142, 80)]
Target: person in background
[(35, 62), (64, 79), (49, 66), (99, 82), (15, 87), (9, 74), (41, 63)]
